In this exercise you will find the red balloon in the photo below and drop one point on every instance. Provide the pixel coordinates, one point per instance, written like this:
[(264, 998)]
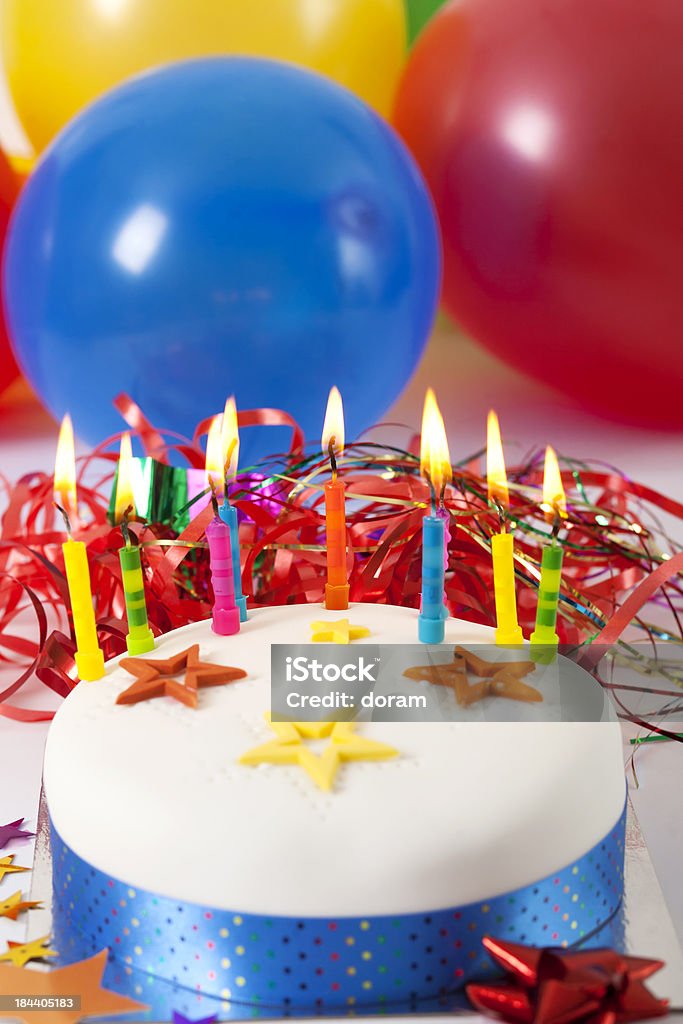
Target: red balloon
[(551, 135), (9, 190)]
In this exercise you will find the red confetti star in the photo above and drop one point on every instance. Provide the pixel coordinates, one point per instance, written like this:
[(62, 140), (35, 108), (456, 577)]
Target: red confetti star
[(12, 831), (549, 986), (154, 677)]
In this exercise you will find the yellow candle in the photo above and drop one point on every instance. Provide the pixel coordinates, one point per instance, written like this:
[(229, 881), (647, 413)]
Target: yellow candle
[(508, 631), (89, 656)]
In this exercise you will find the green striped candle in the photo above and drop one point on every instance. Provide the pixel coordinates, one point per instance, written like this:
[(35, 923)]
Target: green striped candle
[(140, 638), (548, 596)]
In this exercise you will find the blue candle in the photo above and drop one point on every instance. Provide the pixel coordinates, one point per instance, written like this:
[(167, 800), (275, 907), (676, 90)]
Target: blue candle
[(435, 466), (228, 514), (431, 622)]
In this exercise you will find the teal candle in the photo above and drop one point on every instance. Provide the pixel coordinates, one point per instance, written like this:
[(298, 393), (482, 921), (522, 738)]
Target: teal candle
[(228, 514), (548, 596), (431, 621)]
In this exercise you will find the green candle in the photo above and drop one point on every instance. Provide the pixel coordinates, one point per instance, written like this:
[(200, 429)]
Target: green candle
[(548, 596), (555, 508), (140, 638)]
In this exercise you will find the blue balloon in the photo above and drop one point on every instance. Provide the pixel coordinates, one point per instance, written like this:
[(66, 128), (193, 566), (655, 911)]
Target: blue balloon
[(222, 226)]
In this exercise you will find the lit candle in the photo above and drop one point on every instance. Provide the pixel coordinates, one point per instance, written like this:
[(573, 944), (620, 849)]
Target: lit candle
[(337, 587), (230, 444), (508, 631), (89, 656), (435, 466), (140, 638), (225, 613), (555, 509)]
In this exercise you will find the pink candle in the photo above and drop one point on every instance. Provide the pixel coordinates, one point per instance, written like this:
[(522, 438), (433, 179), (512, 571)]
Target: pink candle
[(226, 615)]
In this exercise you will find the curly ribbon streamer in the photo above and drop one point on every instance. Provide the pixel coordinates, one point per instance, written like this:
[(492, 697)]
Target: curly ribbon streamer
[(613, 547), (630, 609), (152, 442)]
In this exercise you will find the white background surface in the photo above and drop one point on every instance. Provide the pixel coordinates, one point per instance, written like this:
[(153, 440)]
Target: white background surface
[(468, 382)]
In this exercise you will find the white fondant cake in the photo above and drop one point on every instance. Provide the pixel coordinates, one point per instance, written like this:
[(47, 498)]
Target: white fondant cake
[(153, 794)]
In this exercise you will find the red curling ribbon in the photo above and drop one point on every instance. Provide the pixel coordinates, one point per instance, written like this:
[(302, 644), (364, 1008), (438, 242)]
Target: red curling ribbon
[(152, 442), (10, 710), (554, 986), (630, 609), (259, 418)]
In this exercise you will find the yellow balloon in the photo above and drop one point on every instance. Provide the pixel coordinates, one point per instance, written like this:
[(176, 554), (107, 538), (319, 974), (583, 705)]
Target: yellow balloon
[(61, 54)]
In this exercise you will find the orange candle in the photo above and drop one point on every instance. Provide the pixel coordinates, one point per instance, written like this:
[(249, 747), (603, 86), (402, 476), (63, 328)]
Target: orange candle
[(337, 587)]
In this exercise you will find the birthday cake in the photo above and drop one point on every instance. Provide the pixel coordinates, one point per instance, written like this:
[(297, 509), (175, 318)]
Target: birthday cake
[(224, 859)]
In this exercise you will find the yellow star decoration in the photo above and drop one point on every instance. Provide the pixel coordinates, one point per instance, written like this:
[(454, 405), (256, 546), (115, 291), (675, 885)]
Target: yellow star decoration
[(337, 632), (19, 955), (15, 905), (8, 868), (344, 745)]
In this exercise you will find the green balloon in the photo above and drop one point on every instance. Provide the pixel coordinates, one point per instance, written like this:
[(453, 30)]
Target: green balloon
[(419, 12)]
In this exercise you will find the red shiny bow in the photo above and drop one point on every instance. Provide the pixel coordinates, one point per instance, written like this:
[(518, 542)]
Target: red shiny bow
[(553, 986)]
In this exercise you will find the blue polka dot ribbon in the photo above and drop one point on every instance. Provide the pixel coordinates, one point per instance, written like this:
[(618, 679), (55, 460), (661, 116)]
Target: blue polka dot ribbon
[(182, 956)]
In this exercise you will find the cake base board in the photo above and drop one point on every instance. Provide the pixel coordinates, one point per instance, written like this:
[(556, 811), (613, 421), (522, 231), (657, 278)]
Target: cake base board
[(648, 929)]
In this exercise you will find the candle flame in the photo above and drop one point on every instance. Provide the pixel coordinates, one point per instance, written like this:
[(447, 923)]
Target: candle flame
[(496, 477), (65, 469), (435, 459), (554, 500), (230, 440), (333, 427), (124, 481), (214, 455)]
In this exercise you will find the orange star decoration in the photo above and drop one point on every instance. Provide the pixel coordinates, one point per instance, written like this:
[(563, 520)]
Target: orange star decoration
[(289, 748), (83, 979), (15, 905), (338, 631), (7, 867), (154, 677), (496, 679), (20, 954)]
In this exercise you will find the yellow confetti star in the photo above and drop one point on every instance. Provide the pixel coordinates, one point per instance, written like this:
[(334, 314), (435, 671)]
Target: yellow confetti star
[(337, 632), (288, 748), (8, 868), (21, 954), (14, 905)]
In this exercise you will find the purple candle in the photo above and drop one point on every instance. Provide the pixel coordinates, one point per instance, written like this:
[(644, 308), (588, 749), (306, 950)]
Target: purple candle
[(226, 615)]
